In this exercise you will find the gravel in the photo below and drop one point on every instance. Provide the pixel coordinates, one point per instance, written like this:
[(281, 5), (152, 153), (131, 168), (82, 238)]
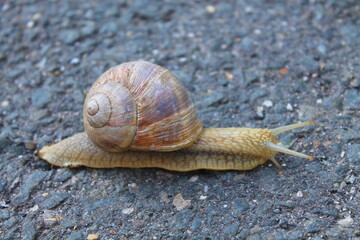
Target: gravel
[(245, 63)]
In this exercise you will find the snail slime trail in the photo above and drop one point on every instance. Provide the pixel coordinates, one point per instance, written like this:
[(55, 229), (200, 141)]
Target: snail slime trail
[(132, 120)]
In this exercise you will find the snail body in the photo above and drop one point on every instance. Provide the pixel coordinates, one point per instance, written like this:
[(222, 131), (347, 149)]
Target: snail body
[(138, 115)]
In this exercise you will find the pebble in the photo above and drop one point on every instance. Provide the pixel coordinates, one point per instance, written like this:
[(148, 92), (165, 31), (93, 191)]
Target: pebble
[(314, 226), (257, 94), (289, 107), (31, 181), (180, 203), (76, 236), (212, 99), (240, 206), (4, 214), (14, 74), (210, 9), (109, 27), (29, 230), (91, 204), (350, 33), (322, 49), (66, 223), (350, 179), (11, 222), (353, 153), (267, 103), (194, 178), (352, 99), (30, 145), (69, 36), (41, 97), (62, 174), (346, 222), (5, 103), (196, 223), (88, 28), (4, 143), (232, 229), (247, 44), (260, 114), (92, 236), (251, 78), (74, 61), (127, 211), (54, 199)]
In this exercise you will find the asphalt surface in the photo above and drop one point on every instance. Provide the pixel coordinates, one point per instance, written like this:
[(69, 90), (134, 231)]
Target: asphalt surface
[(245, 63)]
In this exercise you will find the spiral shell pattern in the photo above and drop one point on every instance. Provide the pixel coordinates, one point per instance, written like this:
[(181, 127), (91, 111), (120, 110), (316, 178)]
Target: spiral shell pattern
[(140, 105)]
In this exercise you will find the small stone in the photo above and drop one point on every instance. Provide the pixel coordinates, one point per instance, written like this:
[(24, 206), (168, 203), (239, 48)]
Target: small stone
[(321, 48), (260, 112), (202, 197), (5, 103), (164, 197), (267, 103), (92, 236), (76, 236), (350, 179), (65, 223), (346, 222), (212, 99), (196, 223), (127, 211), (29, 230), (180, 203), (41, 97), (109, 27), (257, 94), (232, 229), (353, 153), (69, 36), (15, 73), (194, 178), (350, 33), (37, 16), (74, 61), (240, 206), (3, 184), (62, 174), (34, 208), (210, 9), (30, 145), (308, 64), (287, 204), (247, 44), (54, 199), (88, 28), (351, 99), (30, 24), (289, 107), (314, 226), (299, 194), (30, 182), (11, 222), (4, 214)]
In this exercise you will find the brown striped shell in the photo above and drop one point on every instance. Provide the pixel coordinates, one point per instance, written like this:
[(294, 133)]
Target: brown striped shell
[(140, 105)]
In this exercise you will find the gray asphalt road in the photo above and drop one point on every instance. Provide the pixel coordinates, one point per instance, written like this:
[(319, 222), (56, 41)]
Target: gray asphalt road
[(245, 63)]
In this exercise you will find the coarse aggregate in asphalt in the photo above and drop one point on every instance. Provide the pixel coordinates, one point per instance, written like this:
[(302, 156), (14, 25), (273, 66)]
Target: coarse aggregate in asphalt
[(262, 63)]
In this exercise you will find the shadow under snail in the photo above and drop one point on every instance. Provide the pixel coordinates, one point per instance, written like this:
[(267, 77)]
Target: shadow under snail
[(139, 115)]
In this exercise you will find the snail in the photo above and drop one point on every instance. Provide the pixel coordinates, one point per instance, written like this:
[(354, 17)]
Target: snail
[(139, 115)]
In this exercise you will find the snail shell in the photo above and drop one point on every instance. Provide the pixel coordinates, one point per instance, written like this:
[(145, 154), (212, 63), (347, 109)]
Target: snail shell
[(140, 105)]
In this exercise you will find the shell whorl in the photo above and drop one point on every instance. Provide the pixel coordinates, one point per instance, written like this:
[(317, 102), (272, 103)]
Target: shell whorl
[(140, 105)]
